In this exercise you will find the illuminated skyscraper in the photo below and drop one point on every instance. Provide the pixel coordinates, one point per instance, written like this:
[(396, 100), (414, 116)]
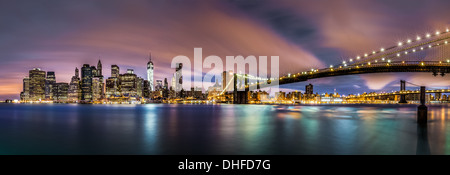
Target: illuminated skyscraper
[(128, 83), (146, 89), (140, 86), (50, 81), (99, 69), (112, 83), (178, 78), (74, 91), (60, 92), (166, 84), (150, 73), (227, 79), (115, 71), (86, 83), (25, 94), (309, 91), (173, 83), (97, 83), (165, 88), (37, 84), (159, 85), (97, 86)]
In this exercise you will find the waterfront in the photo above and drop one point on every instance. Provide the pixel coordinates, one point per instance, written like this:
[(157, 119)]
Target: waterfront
[(220, 129)]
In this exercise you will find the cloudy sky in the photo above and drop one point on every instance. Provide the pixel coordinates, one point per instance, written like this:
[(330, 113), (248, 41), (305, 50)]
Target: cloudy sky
[(61, 35)]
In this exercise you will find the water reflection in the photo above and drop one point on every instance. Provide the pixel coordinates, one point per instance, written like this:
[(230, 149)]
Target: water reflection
[(423, 147), (221, 129)]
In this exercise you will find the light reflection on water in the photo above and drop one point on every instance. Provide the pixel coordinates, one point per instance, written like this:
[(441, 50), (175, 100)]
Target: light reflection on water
[(221, 129)]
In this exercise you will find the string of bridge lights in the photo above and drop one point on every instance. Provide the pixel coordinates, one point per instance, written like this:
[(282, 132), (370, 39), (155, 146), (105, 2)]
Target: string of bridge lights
[(408, 41), (366, 55)]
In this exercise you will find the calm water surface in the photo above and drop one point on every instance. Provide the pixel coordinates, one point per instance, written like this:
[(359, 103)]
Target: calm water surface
[(221, 129)]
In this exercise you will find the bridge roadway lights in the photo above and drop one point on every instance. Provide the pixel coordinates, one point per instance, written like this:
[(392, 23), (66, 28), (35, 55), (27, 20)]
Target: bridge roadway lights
[(422, 110)]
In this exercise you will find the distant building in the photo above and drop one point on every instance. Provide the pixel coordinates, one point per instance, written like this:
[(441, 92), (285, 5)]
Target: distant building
[(140, 86), (25, 94), (112, 83), (159, 85), (61, 92), (50, 81), (74, 91), (174, 82), (92, 86), (280, 95), (112, 87), (195, 93), (166, 89), (97, 88), (115, 71), (146, 89), (86, 83), (177, 79), (227, 80), (37, 84), (128, 83), (150, 73), (309, 91)]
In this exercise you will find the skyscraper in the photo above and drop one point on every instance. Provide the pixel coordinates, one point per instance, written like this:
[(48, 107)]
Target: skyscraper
[(150, 73), (74, 91), (140, 86), (165, 88), (159, 85), (174, 82), (97, 85), (86, 83), (166, 84), (60, 91), (97, 82), (309, 91), (178, 78), (99, 69), (227, 79), (128, 83), (146, 90), (115, 71), (50, 81), (37, 84), (112, 83), (25, 94)]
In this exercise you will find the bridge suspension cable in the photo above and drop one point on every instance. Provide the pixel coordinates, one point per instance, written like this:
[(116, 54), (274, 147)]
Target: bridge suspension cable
[(412, 84)]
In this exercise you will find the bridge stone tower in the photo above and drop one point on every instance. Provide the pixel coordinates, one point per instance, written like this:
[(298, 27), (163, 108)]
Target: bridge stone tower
[(402, 88), (240, 97)]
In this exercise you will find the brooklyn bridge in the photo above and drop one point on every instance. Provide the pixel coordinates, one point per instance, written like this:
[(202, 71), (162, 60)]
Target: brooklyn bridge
[(426, 53)]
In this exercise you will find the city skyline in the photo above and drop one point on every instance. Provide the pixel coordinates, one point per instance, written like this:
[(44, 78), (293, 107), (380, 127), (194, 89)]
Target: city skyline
[(304, 35)]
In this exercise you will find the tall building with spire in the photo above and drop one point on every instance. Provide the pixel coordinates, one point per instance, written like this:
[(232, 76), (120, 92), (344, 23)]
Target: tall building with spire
[(99, 69), (150, 73), (97, 82)]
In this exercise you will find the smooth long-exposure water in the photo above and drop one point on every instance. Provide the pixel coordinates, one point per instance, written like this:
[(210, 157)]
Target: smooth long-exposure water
[(221, 129)]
